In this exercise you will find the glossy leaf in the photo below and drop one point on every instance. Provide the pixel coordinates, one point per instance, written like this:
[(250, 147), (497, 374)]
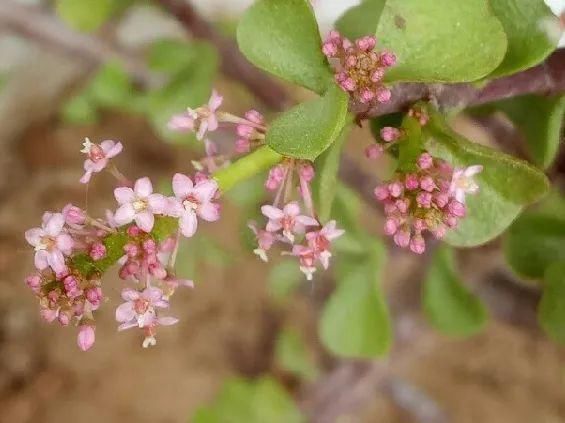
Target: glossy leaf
[(541, 120), (84, 15), (282, 37), (441, 40), (355, 321), (534, 242), (448, 304), (307, 130), (325, 183), (293, 356), (506, 184), (360, 20), (528, 43), (551, 311)]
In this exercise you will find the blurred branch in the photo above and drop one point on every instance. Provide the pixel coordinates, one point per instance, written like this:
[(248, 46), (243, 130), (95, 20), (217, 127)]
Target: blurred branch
[(234, 65), (43, 28)]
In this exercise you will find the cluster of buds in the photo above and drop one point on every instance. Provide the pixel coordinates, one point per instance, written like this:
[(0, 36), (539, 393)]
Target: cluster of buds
[(301, 235), (249, 130), (359, 70), (389, 137), (73, 250), (432, 198)]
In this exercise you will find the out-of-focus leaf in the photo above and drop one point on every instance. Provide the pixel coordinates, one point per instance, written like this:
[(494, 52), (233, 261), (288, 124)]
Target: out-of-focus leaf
[(293, 356), (171, 56), (441, 40), (448, 304), (79, 110), (361, 20), (282, 37), (84, 15), (111, 87), (551, 313), (284, 278)]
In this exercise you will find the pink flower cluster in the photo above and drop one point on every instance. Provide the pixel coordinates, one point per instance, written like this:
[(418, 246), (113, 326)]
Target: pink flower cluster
[(73, 250), (303, 235), (429, 199), (389, 137), (359, 69)]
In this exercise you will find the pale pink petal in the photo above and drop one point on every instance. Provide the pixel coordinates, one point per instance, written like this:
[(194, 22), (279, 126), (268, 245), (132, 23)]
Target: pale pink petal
[(157, 203), (212, 123), (152, 294), (57, 261), (174, 207), (125, 312), (98, 165), (188, 224), (460, 195), (167, 320), (55, 224), (202, 130), (124, 195), (473, 170), (182, 185), (85, 179), (33, 236), (40, 259), (111, 148), (86, 337), (209, 212), (273, 225), (143, 187), (129, 294), (145, 220), (161, 304), (272, 212), (204, 191), (292, 209), (64, 243), (215, 101), (306, 220), (124, 214), (127, 325)]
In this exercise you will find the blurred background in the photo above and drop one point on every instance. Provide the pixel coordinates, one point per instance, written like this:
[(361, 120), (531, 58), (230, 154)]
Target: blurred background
[(247, 347)]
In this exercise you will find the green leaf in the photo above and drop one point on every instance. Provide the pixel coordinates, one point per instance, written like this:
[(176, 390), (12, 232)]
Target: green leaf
[(282, 37), (84, 15), (172, 56), (325, 183), (410, 148), (307, 130), (448, 305), (528, 43), (79, 110), (111, 87), (360, 20), (441, 40), (355, 321), (551, 312), (284, 278), (293, 356), (540, 119), (506, 184), (534, 242)]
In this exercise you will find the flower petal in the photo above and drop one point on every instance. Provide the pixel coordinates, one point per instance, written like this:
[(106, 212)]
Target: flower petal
[(127, 325), (145, 220), (124, 214), (111, 148), (473, 170), (125, 312), (124, 195), (129, 294), (188, 223), (85, 179), (167, 320), (215, 101), (306, 220), (55, 224), (143, 187), (209, 211), (40, 260), (152, 294), (182, 185), (157, 203), (64, 243), (272, 212), (292, 209), (57, 261), (206, 190), (33, 236)]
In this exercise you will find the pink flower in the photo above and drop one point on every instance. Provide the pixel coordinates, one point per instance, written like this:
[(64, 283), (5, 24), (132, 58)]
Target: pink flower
[(194, 201), (320, 241), (265, 241), (98, 156), (288, 219), (86, 337), (202, 120), (139, 308), (51, 243), (139, 204), (307, 257), (463, 182)]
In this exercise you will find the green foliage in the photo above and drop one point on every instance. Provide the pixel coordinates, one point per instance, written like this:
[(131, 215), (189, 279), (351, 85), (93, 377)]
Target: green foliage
[(448, 305), (85, 15), (307, 130), (259, 401), (293, 356), (80, 110), (361, 20), (534, 242), (551, 313), (541, 120), (441, 40), (410, 149), (325, 184), (114, 244), (355, 321), (282, 37), (528, 44), (506, 184), (111, 87), (284, 278), (172, 56)]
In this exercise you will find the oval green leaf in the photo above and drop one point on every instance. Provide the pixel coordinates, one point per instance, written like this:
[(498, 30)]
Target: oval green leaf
[(528, 44), (551, 313), (355, 321), (282, 37), (448, 304), (506, 184), (307, 130), (441, 40), (84, 15), (361, 20)]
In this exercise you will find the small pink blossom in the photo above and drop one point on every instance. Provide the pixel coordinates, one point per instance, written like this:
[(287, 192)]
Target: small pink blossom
[(74, 215), (193, 201), (320, 241), (374, 151), (265, 241), (390, 134), (139, 308), (463, 182), (288, 219), (139, 204), (98, 156), (202, 120), (51, 243)]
